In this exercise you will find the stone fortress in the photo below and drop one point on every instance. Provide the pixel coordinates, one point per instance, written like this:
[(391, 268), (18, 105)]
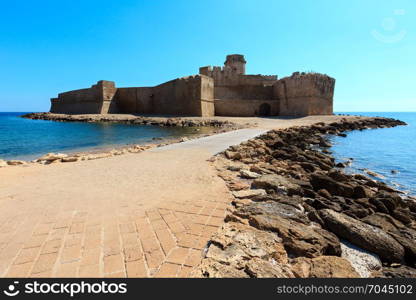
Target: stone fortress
[(215, 91)]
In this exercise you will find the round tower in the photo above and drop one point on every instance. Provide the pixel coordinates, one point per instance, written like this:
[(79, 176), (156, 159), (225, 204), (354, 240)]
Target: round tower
[(236, 63)]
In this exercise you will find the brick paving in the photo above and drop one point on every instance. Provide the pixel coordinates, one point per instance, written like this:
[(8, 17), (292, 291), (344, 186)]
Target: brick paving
[(166, 241), (50, 229)]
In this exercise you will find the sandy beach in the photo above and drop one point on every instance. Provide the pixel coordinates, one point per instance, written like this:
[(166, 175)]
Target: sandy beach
[(148, 214)]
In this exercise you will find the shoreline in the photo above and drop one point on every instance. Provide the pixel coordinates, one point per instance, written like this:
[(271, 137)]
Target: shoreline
[(182, 182), (217, 126), (305, 216), (105, 151)]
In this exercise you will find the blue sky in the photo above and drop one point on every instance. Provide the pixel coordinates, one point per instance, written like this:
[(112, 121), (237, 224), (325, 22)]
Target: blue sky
[(47, 47)]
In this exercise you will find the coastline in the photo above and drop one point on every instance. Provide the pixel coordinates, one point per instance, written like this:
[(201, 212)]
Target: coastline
[(113, 180), (304, 216), (217, 126)]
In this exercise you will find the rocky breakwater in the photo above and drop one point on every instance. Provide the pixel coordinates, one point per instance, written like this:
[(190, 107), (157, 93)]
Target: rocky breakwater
[(136, 120), (298, 215)]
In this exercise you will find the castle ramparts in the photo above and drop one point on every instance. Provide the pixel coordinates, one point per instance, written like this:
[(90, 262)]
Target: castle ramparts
[(222, 91)]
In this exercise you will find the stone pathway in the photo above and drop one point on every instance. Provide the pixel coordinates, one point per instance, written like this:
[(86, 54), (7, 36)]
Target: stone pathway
[(136, 215)]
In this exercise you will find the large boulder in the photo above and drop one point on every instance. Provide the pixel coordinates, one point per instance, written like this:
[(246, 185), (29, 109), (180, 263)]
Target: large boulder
[(366, 236), (323, 267), (260, 268), (320, 181), (277, 183), (238, 250), (402, 234), (293, 212), (299, 239), (399, 272)]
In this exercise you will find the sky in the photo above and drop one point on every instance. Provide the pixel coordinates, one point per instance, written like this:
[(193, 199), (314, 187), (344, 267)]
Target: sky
[(47, 47)]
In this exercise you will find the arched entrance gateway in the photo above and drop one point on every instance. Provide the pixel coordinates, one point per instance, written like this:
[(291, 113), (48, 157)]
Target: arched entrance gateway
[(265, 109)]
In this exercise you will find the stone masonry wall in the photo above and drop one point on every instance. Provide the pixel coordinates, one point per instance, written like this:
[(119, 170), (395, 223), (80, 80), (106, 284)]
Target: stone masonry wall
[(244, 108), (305, 94), (94, 100), (184, 96)]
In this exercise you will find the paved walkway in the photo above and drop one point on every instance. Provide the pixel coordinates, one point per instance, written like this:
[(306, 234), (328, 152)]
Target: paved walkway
[(137, 215), (215, 143)]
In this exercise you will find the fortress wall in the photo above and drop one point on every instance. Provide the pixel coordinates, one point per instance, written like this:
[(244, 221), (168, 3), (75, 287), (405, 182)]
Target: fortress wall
[(94, 100), (244, 108), (207, 97), (135, 100), (250, 92), (76, 108), (305, 94), (184, 96)]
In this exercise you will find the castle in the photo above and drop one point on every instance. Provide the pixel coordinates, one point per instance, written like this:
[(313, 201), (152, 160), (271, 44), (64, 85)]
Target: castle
[(215, 91)]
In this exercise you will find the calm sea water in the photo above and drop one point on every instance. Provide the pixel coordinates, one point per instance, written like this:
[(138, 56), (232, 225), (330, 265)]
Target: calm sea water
[(26, 139), (383, 150)]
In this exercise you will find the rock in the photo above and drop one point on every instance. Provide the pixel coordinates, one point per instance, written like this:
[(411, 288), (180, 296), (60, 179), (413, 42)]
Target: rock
[(321, 181), (70, 159), (308, 167), (323, 267), (249, 193), (232, 155), (235, 167), (331, 267), (324, 193), (103, 155), (184, 139), (362, 192), (275, 182), (365, 263), (260, 170), (402, 234), (16, 162), (374, 174), (210, 268), (399, 272), (259, 268), (234, 242), (238, 250), (3, 163), (52, 157), (403, 215), (299, 239), (238, 185), (292, 212), (338, 176), (366, 236), (325, 144), (340, 165), (248, 174)]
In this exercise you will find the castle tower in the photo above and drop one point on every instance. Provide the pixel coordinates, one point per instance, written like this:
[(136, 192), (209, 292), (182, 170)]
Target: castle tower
[(236, 63)]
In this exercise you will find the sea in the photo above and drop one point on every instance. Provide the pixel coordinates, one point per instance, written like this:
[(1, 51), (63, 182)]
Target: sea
[(28, 139), (390, 152)]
